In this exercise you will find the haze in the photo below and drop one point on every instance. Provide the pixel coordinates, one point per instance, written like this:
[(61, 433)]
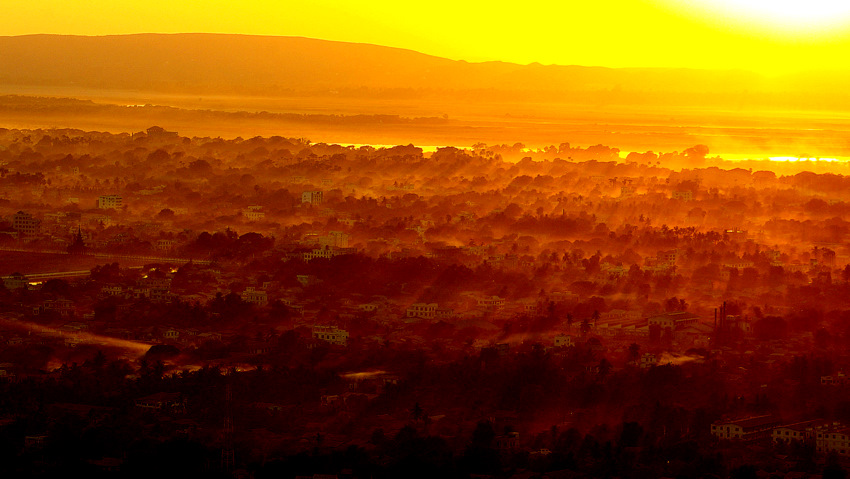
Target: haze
[(362, 240)]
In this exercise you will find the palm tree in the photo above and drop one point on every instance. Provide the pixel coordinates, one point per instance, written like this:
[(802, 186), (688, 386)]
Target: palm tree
[(417, 413)]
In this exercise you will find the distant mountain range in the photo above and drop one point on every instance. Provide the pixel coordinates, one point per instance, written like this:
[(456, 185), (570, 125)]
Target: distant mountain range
[(271, 66)]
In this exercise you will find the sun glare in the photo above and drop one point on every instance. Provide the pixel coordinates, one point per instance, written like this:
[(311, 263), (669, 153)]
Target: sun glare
[(788, 13)]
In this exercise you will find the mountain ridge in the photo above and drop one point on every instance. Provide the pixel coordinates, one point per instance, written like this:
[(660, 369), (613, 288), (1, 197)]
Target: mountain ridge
[(226, 62)]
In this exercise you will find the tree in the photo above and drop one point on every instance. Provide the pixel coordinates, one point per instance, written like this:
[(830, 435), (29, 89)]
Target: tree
[(634, 351), (417, 413)]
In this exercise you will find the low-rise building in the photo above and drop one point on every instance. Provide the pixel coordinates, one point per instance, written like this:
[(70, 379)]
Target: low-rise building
[(648, 360), (255, 296), (491, 302), (106, 202), (562, 340), (422, 310), (674, 320), (745, 429), (802, 431), (161, 401), (331, 334), (684, 195), (835, 437)]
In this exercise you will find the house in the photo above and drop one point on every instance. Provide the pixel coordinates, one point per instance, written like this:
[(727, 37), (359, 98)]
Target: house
[(745, 429), (161, 401), (648, 360), (331, 334), (112, 290), (164, 245), (15, 281), (563, 340), (106, 202), (802, 431), (337, 239), (835, 437), (491, 302), (422, 310), (834, 380), (35, 441), (253, 213), (326, 252), (255, 296), (258, 348), (171, 334), (668, 257), (507, 442)]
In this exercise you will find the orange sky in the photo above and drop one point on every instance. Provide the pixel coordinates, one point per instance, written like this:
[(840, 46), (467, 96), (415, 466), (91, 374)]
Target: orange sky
[(769, 36)]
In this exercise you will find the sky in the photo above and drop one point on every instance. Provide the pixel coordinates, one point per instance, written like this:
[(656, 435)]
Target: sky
[(767, 36)]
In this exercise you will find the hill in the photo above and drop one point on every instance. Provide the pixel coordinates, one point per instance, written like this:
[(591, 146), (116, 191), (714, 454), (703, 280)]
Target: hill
[(266, 65)]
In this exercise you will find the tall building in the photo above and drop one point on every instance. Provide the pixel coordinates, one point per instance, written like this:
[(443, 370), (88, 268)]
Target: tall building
[(312, 197), (25, 224)]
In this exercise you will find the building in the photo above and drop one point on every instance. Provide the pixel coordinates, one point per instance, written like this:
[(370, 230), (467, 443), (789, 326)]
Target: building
[(106, 202), (326, 252), (667, 257), (15, 281), (253, 215), (331, 334), (686, 195), (835, 437), (161, 401), (491, 302), (648, 360), (508, 442), (802, 431), (255, 296), (834, 380), (337, 239), (422, 310), (746, 429), (675, 320), (562, 340), (312, 197), (25, 224)]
